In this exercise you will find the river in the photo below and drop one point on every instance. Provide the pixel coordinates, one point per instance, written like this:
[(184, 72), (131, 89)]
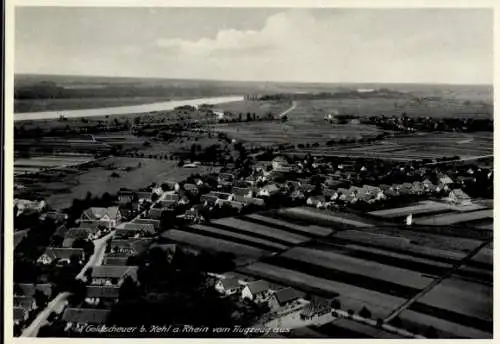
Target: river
[(124, 110)]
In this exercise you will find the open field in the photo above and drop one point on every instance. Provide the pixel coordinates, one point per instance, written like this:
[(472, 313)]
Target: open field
[(260, 108), (34, 164), (251, 240), (346, 328), (471, 300), (310, 230), (449, 219), (306, 213), (212, 244), (97, 180), (270, 133), (268, 231), (357, 266), (446, 329), (414, 147), (423, 208)]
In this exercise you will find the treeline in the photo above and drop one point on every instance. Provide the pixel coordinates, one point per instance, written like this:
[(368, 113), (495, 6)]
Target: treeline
[(50, 90), (380, 93), (406, 123)]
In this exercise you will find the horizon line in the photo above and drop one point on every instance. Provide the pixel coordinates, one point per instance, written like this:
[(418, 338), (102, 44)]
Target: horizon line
[(259, 81)]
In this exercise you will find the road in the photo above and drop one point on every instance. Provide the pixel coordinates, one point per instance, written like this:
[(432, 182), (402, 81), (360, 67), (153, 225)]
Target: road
[(98, 256), (56, 305), (59, 302), (294, 105)]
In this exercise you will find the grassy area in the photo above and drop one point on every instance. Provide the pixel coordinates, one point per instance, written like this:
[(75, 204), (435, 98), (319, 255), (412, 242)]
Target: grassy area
[(98, 180)]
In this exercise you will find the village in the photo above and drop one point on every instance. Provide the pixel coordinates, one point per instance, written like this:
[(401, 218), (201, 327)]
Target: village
[(99, 246)]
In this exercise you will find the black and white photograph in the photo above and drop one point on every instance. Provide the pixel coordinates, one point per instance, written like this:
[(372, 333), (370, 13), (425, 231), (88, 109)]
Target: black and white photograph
[(251, 172)]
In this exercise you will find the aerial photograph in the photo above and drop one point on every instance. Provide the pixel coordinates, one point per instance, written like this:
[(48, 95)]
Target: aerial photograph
[(253, 172)]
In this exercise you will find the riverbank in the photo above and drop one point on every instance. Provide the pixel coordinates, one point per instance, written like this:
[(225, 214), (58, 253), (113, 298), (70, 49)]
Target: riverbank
[(124, 110)]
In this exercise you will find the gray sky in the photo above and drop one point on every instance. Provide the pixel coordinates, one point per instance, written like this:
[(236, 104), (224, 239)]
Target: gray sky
[(319, 45)]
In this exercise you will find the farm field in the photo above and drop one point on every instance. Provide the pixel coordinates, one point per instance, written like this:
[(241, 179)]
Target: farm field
[(61, 191), (306, 213), (208, 243), (414, 147), (445, 329), (208, 230), (350, 297), (470, 301), (345, 328), (34, 164), (449, 219), (260, 108), (310, 230), (422, 208), (359, 267), (271, 233)]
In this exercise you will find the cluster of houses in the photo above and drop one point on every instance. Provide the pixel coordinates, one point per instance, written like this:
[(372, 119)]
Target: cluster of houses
[(25, 300), (279, 299), (103, 282)]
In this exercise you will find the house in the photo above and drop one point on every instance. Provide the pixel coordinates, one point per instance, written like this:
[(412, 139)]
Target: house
[(445, 182), (112, 259), (54, 216), (110, 275), (143, 196), (78, 318), (208, 199), (232, 204), (96, 294), (316, 201), (172, 185), (156, 213), (263, 165), (250, 200), (280, 162), (457, 196), (140, 227), (297, 195), (225, 177), (20, 315), (169, 204), (228, 286), (111, 216), (130, 247), (220, 195), (155, 223), (269, 190), (61, 255), (258, 291), (191, 188), (26, 302), (23, 205), (283, 298), (245, 192), (126, 196), (318, 306), (29, 289)]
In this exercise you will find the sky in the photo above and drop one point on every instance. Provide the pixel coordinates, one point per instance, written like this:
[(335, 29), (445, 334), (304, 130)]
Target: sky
[(453, 46)]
